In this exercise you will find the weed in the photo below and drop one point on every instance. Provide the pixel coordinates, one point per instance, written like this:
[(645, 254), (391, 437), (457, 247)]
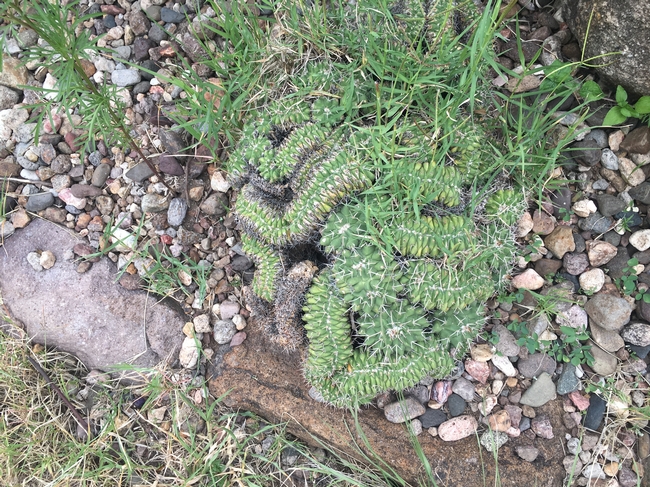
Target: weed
[(628, 281), (565, 214), (623, 109)]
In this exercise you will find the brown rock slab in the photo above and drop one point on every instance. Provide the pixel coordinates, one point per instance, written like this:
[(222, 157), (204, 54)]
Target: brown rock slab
[(267, 381), (89, 315)]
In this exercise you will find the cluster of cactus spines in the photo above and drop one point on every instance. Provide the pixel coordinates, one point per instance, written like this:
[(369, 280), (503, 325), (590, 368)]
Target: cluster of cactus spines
[(268, 266), (327, 324), (434, 285), (285, 329), (323, 172), (433, 237)]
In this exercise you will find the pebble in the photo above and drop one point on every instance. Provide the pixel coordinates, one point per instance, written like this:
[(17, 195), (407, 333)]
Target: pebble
[(215, 205), (627, 478), (610, 341), (542, 427), (594, 471), (170, 165), (500, 421), (139, 173), (34, 260), (595, 223), (47, 259), (239, 321), (568, 380), (402, 411), (637, 141), (478, 370), (240, 337), (580, 401), (39, 201), (202, 324), (228, 309), (572, 464), (168, 15), (464, 389), (637, 334), (432, 418), (457, 428), (524, 225), (630, 173), (641, 193), (584, 208), (507, 344), (575, 264), (608, 312), (493, 440), (640, 240), (604, 363), (529, 279), (536, 364), (609, 160), (502, 363), (481, 352), (125, 77), (100, 175), (600, 252), (456, 405), (223, 331), (592, 281), (527, 452), (154, 203), (541, 392), (176, 212), (609, 205), (441, 391), (6, 229), (560, 241), (543, 224), (189, 353)]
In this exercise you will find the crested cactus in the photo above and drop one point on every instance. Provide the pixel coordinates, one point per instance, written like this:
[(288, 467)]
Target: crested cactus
[(410, 253)]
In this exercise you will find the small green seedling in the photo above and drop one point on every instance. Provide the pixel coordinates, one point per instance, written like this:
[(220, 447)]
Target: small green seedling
[(627, 282), (623, 109)]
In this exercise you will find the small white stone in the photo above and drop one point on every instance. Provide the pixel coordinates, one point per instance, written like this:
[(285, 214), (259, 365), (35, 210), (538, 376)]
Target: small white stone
[(34, 260), (127, 242), (640, 240), (529, 279), (592, 281), (584, 208), (239, 321), (47, 259), (219, 183), (504, 365), (202, 324), (189, 354)]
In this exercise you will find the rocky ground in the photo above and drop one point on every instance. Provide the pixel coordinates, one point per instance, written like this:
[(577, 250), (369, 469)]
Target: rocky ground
[(581, 246)]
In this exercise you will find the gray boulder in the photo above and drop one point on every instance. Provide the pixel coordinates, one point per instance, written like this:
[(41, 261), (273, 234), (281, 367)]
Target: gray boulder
[(616, 26)]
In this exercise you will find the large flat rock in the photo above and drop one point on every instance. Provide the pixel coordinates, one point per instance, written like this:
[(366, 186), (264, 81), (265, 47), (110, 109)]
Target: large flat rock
[(259, 378), (89, 315)]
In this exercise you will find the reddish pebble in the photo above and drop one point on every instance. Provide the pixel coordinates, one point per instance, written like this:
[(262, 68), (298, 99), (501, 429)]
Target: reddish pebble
[(441, 391), (238, 339), (166, 239), (580, 401), (48, 128), (70, 139), (479, 370)]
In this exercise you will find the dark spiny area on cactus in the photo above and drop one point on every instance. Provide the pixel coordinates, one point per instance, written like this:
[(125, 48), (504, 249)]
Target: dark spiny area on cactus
[(368, 165)]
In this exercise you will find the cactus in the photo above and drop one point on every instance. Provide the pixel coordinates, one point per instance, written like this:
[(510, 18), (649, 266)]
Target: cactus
[(411, 254)]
